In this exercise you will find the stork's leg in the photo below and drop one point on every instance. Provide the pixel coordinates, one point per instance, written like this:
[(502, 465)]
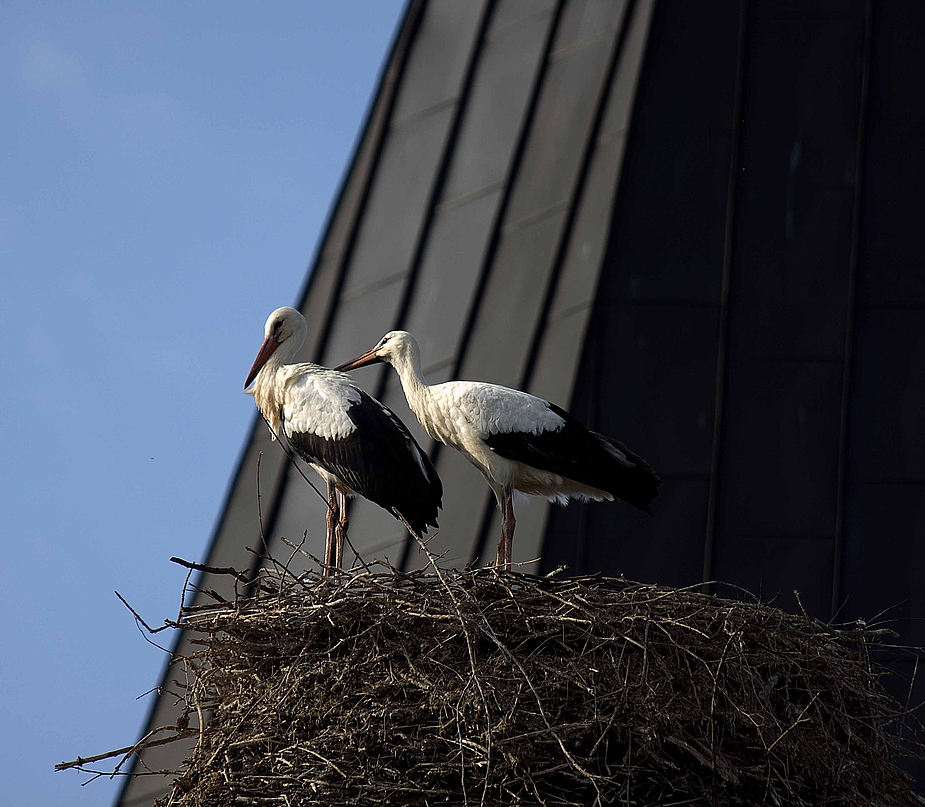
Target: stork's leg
[(332, 519), (503, 560), (341, 533)]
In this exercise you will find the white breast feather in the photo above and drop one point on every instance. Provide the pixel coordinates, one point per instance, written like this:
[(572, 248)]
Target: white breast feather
[(315, 400), (491, 409)]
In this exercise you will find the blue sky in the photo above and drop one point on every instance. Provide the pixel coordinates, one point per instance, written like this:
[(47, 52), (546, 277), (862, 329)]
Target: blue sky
[(165, 171)]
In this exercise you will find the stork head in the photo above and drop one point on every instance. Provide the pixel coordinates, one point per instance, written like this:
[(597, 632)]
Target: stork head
[(283, 335), (396, 347)]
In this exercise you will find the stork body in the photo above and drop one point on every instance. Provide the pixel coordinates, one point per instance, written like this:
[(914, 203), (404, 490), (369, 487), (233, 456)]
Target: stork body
[(355, 443), (517, 441)]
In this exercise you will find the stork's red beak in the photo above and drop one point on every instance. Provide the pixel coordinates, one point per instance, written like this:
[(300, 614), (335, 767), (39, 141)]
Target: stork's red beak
[(360, 361), (266, 350)]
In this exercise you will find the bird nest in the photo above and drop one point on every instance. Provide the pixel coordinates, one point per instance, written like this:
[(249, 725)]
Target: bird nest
[(482, 688)]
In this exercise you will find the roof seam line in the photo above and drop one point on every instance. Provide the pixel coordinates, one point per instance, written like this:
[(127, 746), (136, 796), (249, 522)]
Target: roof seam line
[(516, 25), (721, 349), (375, 285), (582, 44), (575, 308), (412, 117), (851, 315), (534, 218), (589, 149), (458, 201)]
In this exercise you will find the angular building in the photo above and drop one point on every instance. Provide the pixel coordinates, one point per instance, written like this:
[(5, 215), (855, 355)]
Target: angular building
[(690, 224)]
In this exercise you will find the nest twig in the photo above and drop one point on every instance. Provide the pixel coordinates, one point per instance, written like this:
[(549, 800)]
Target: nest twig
[(483, 688)]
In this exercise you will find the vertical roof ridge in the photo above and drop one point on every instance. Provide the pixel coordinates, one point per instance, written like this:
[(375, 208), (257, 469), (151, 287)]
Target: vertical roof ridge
[(574, 197), (850, 352), (710, 532), (578, 187)]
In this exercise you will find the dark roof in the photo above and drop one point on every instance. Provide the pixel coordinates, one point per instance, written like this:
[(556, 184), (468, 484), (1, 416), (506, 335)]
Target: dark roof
[(687, 223)]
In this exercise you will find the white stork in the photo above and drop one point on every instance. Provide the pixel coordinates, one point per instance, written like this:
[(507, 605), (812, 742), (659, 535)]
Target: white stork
[(355, 443), (518, 441)]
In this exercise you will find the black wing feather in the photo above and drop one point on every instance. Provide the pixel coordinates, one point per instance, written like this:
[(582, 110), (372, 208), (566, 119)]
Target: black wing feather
[(579, 454), (377, 461)]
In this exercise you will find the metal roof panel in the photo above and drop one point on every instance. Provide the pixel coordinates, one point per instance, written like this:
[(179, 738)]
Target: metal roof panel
[(448, 276), (438, 60), (494, 115), (398, 197), (560, 128)]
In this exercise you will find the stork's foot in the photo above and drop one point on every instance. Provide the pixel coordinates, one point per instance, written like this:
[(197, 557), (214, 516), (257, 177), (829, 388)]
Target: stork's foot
[(503, 560), (330, 551), (339, 537), (332, 519)]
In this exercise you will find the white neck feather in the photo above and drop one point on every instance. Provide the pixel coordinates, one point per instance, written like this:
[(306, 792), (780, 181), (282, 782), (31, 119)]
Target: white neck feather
[(408, 366), (267, 388)]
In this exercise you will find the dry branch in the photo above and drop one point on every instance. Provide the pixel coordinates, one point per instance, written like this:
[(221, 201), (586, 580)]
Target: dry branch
[(479, 688)]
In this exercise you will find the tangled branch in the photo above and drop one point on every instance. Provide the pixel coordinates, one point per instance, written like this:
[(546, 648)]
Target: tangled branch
[(476, 687)]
